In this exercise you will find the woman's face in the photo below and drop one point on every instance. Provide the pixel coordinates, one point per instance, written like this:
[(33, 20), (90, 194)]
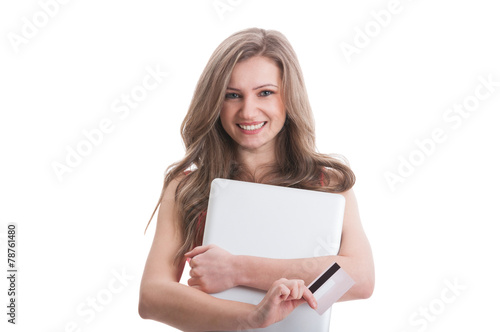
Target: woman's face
[(253, 112)]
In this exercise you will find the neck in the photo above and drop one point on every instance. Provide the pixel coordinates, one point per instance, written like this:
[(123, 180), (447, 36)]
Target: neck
[(255, 161)]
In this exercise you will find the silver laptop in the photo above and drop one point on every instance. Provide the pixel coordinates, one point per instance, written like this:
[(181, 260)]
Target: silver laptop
[(276, 222)]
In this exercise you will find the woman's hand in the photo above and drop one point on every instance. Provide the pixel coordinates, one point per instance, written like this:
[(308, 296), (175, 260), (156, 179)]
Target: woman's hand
[(281, 299), (212, 269)]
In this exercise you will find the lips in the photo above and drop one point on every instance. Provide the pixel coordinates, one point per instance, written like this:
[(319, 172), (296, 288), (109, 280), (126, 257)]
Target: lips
[(251, 126)]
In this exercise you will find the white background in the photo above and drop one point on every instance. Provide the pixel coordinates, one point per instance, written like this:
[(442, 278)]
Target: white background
[(439, 225)]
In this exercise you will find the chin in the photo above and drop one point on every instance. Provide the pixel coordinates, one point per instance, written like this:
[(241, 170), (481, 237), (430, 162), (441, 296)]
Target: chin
[(250, 146)]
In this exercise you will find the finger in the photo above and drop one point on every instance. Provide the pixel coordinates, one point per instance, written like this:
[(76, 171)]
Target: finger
[(196, 251), (283, 292), (190, 282), (309, 298), (195, 282), (298, 302), (193, 262), (293, 292), (296, 289)]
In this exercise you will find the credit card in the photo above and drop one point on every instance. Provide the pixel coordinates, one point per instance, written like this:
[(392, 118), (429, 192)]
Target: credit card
[(330, 286)]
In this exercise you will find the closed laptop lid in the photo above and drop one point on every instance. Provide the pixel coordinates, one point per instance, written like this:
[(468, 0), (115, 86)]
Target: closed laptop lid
[(254, 219)]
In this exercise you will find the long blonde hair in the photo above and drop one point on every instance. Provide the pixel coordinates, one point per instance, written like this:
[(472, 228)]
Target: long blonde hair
[(210, 152)]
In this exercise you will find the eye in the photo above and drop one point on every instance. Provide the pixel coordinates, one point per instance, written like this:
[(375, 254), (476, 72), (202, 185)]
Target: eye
[(266, 93), (232, 95)]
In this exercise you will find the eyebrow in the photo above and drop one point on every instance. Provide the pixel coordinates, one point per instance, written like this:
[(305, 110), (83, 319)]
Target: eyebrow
[(256, 88)]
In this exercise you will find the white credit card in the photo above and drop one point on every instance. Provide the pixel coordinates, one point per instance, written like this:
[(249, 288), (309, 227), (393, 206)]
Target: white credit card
[(330, 286)]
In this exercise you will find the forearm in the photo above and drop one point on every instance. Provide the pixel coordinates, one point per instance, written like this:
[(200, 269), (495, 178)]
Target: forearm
[(189, 309), (259, 272)]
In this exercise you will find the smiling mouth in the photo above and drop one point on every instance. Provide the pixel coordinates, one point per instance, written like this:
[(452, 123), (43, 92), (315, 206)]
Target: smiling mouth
[(252, 127)]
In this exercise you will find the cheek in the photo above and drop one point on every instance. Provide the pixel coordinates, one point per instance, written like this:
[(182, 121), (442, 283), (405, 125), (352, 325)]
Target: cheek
[(281, 112), (225, 118)]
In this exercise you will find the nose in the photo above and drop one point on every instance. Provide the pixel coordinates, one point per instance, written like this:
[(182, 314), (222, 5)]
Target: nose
[(249, 108)]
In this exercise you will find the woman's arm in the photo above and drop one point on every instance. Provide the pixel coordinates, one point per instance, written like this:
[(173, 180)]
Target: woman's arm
[(355, 257), (163, 299)]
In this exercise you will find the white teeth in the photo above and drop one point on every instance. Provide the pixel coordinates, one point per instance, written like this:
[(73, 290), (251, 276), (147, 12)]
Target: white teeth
[(252, 127)]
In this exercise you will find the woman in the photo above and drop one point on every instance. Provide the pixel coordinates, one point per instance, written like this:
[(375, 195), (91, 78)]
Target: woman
[(249, 120)]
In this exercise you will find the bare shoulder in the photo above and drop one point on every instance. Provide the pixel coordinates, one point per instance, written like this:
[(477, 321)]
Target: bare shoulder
[(169, 194), (351, 205), (333, 177)]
